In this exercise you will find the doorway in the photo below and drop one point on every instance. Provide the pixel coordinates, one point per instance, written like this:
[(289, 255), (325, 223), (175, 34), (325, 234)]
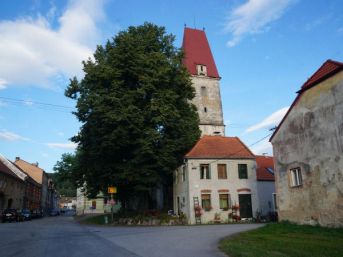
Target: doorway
[(245, 207)]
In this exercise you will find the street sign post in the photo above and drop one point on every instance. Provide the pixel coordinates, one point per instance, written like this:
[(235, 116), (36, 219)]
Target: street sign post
[(112, 190)]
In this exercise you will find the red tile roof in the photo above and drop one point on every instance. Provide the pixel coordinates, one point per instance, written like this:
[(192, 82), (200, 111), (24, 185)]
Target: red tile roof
[(327, 70), (220, 147), (263, 164), (198, 51)]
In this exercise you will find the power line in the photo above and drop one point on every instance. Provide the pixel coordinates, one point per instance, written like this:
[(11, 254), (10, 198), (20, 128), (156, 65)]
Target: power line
[(8, 99)]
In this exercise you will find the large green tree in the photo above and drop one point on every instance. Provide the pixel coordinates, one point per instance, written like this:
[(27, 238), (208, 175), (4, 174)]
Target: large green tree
[(135, 110)]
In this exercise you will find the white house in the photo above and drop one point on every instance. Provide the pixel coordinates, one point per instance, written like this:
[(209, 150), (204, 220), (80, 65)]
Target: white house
[(218, 173)]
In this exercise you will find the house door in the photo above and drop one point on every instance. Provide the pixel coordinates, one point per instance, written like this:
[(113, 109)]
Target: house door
[(178, 206), (245, 207)]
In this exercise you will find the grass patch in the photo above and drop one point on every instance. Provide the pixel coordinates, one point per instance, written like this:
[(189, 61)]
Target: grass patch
[(285, 239)]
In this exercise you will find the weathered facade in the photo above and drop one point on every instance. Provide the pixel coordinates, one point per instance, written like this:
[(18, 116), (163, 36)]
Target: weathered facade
[(12, 185), (308, 151), (219, 173), (205, 78)]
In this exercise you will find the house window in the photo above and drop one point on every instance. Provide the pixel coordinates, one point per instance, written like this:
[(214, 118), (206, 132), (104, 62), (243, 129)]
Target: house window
[(242, 171), (295, 177), (222, 171), (205, 109), (206, 202), (224, 201), (205, 172), (183, 173)]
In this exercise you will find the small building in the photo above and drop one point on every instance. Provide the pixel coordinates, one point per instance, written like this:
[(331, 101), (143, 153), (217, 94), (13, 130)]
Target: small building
[(266, 185), (218, 177), (12, 185), (308, 151), (85, 205)]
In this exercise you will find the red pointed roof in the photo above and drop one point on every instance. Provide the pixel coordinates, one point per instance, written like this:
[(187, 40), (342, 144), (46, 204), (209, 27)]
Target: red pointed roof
[(198, 51), (220, 147), (327, 70), (265, 168)]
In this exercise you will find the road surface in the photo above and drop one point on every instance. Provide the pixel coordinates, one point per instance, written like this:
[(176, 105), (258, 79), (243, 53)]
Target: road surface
[(63, 237)]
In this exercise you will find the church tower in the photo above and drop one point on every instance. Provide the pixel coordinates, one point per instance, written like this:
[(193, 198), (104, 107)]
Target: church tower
[(205, 78)]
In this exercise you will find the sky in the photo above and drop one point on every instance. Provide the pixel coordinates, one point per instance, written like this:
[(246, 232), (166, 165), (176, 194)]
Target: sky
[(264, 51)]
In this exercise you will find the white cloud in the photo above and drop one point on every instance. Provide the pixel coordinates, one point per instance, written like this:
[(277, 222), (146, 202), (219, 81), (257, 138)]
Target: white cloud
[(272, 120), (2, 84), (62, 145), (10, 136), (60, 134), (253, 17), (33, 53)]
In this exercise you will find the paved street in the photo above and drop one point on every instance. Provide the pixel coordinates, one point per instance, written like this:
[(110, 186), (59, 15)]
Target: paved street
[(61, 236)]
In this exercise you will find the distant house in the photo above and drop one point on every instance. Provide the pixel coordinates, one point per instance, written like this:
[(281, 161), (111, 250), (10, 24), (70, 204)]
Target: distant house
[(218, 174), (266, 184), (85, 205), (40, 177), (308, 151)]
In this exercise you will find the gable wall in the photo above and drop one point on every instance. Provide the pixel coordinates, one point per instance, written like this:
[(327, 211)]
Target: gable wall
[(311, 138)]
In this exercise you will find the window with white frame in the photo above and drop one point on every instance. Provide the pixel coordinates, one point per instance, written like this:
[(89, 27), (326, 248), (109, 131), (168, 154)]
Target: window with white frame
[(224, 201), (201, 70), (295, 177), (205, 172)]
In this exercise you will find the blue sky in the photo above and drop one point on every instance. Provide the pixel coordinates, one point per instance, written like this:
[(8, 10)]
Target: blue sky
[(264, 51)]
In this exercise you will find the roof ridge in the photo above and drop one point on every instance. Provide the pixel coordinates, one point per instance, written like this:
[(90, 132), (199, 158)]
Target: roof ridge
[(31, 164), (308, 84), (13, 168), (246, 147)]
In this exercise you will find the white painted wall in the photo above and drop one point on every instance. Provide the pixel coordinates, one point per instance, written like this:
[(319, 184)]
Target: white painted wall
[(193, 185)]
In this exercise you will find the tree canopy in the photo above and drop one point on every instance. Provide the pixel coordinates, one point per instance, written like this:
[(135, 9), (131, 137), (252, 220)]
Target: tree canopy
[(63, 177), (134, 106)]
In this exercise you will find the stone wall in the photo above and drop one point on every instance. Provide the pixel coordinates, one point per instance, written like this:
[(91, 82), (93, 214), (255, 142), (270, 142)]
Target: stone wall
[(208, 102), (12, 190), (311, 138)]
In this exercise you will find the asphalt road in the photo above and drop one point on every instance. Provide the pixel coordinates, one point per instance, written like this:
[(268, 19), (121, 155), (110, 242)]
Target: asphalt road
[(63, 237)]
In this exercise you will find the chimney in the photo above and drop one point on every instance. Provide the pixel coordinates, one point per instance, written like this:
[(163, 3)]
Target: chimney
[(35, 164), (17, 158)]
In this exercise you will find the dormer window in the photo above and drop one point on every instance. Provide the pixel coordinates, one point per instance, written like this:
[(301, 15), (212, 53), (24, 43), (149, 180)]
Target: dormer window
[(201, 70)]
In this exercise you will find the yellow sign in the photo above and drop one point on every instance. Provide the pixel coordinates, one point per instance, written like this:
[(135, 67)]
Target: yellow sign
[(112, 190)]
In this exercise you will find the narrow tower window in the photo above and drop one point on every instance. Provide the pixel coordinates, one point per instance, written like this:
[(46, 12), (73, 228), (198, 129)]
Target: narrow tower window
[(203, 91), (205, 109), (201, 70)]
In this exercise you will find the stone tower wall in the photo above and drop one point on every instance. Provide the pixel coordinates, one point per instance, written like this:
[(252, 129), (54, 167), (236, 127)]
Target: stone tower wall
[(208, 102)]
